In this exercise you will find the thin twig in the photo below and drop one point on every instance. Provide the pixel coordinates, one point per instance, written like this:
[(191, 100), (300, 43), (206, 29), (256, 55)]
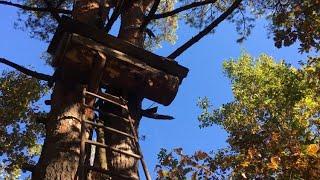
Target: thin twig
[(150, 15), (26, 71), (183, 8), (55, 15), (205, 31), (28, 167), (28, 8), (116, 13)]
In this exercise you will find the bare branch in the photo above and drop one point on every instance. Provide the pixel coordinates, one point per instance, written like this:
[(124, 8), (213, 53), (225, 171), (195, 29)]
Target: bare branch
[(55, 15), (152, 113), (183, 8), (28, 167), (150, 15), (28, 8), (26, 71), (116, 13), (205, 31)]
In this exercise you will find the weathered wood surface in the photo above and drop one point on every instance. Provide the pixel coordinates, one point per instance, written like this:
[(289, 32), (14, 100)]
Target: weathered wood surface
[(120, 70), (162, 63), (127, 66)]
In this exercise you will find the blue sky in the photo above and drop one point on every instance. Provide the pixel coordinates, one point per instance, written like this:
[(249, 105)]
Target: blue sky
[(204, 79)]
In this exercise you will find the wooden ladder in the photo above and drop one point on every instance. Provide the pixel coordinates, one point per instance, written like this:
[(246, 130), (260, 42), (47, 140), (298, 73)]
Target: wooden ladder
[(118, 101)]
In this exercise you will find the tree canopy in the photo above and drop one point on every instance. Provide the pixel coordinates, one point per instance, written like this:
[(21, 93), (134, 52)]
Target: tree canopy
[(289, 22), (20, 132), (272, 125)]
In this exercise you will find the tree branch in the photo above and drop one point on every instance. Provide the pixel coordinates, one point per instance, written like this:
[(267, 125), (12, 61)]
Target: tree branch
[(152, 113), (116, 13), (28, 8), (28, 167), (183, 8), (55, 15), (147, 19), (26, 71), (205, 31)]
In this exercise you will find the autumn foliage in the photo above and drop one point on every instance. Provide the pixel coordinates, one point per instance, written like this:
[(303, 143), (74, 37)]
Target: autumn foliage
[(273, 125)]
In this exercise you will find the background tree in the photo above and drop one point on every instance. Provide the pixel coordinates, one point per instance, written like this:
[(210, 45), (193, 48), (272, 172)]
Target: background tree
[(143, 23), (272, 125)]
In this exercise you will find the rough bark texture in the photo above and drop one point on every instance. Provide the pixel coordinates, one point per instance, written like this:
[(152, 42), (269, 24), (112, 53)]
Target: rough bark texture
[(131, 19), (60, 154), (61, 151)]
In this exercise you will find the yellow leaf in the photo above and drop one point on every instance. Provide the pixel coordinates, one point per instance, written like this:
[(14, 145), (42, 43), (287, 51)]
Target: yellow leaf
[(274, 162), (310, 69), (252, 152), (245, 163), (312, 149), (275, 137)]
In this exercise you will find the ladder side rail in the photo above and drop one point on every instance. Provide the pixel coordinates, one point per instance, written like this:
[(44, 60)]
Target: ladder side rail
[(93, 85), (143, 163)]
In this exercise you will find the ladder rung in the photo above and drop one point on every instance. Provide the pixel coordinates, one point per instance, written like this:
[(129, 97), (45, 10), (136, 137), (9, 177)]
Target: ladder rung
[(113, 149), (107, 114), (120, 100), (103, 171), (116, 116), (108, 97), (95, 109), (109, 129)]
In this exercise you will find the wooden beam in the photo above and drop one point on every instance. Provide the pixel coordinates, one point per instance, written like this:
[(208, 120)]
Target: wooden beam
[(165, 64)]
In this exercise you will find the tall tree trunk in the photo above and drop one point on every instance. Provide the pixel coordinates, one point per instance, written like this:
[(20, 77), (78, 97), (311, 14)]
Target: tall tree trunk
[(61, 150), (131, 19), (60, 154)]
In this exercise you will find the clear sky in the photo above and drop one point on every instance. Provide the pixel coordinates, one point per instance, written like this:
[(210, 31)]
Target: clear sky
[(204, 79)]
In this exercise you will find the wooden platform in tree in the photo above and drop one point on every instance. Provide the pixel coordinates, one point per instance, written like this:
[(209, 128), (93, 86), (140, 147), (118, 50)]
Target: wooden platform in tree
[(75, 46)]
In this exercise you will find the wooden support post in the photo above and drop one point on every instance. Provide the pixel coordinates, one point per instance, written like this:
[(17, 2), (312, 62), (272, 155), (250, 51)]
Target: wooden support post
[(136, 140), (95, 76), (82, 143), (93, 86)]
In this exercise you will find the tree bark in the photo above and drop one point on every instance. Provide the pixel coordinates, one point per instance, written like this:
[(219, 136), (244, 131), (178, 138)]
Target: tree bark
[(61, 150), (131, 19)]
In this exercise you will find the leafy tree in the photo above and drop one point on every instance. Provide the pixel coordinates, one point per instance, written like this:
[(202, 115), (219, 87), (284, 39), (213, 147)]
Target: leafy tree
[(272, 124), (21, 132), (144, 23)]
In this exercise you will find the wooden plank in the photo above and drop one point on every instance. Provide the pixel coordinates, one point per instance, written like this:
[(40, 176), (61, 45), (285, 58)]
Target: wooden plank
[(117, 117), (100, 125), (107, 114), (104, 171), (113, 149), (106, 99), (110, 52), (113, 98), (158, 62), (121, 70)]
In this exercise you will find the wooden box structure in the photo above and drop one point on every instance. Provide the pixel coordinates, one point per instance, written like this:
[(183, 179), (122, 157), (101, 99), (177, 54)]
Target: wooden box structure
[(75, 45)]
